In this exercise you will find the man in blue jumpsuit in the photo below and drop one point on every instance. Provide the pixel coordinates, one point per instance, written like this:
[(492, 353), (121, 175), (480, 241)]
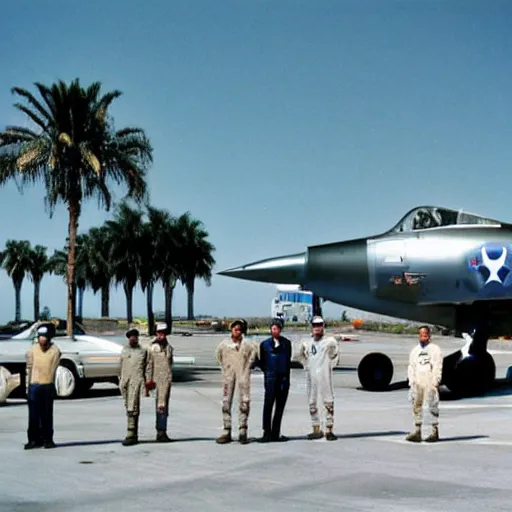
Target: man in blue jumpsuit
[(274, 360)]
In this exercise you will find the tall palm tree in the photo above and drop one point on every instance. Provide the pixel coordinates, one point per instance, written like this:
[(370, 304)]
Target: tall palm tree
[(16, 261), (165, 256), (99, 265), (149, 271), (125, 237), (39, 266), (75, 151), (196, 256)]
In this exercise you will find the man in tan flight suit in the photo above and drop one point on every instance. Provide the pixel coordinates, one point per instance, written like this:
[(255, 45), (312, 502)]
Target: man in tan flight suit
[(236, 356), (159, 376), (424, 373), (133, 367), (42, 361)]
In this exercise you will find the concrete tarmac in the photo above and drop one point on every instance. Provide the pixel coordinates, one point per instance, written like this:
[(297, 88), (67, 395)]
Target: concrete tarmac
[(370, 466)]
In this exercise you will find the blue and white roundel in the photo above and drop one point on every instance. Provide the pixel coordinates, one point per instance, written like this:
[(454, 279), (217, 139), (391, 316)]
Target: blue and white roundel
[(493, 263)]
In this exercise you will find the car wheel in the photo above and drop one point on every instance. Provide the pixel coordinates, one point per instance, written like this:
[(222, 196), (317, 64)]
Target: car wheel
[(66, 380)]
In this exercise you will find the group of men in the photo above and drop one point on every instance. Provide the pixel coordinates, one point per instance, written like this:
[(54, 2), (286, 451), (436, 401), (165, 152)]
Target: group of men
[(237, 357), (143, 370)]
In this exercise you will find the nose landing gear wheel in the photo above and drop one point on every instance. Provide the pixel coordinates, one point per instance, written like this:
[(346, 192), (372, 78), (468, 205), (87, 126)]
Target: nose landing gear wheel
[(375, 371)]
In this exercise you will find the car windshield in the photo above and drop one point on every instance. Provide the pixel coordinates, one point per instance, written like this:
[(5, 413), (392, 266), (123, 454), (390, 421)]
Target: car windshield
[(428, 217), (60, 330)]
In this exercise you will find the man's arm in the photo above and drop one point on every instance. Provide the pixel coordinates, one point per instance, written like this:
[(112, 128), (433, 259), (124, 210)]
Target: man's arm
[(410, 369), (28, 369), (149, 367), (334, 352), (289, 349), (55, 361), (302, 356), (218, 353), (437, 366), (259, 361)]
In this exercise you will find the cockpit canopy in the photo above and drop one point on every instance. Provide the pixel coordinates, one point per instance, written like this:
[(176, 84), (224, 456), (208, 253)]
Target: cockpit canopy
[(428, 217)]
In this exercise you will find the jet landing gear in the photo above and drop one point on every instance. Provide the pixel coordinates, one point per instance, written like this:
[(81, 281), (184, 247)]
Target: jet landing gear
[(470, 371), (375, 371)]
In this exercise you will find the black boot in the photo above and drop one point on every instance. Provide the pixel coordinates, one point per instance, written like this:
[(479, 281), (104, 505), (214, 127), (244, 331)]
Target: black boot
[(161, 428), (132, 431), (265, 438)]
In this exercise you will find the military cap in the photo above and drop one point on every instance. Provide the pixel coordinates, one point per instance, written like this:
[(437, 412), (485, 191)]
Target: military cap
[(161, 326), (132, 332)]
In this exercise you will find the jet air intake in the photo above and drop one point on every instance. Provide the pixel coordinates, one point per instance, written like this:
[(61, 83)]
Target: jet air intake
[(283, 270)]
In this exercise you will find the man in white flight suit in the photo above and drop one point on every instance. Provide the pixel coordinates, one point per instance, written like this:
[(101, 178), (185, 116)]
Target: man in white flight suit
[(319, 355), (424, 373)]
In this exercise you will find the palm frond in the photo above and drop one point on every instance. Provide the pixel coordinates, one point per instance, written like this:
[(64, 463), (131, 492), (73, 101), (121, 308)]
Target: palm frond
[(35, 118), (33, 101)]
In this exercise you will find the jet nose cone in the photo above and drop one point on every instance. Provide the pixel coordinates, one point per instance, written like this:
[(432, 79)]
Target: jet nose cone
[(282, 270)]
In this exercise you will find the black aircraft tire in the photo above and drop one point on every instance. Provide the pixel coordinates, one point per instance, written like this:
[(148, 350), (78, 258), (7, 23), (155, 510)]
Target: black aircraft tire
[(472, 375), (375, 371)]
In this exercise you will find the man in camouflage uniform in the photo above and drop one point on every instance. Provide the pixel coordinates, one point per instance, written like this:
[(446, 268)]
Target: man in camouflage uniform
[(159, 376), (133, 366), (236, 356)]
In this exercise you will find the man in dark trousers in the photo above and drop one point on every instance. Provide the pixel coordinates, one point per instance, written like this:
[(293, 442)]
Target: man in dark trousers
[(43, 358), (274, 360)]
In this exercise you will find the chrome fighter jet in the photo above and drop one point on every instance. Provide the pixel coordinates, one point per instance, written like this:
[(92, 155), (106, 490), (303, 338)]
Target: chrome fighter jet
[(437, 265)]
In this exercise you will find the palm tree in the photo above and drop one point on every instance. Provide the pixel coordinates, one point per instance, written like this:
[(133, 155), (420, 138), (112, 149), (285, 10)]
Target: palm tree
[(196, 256), (75, 152), (59, 265), (99, 265), (16, 261), (164, 259), (125, 235), (82, 272), (39, 266), (149, 271)]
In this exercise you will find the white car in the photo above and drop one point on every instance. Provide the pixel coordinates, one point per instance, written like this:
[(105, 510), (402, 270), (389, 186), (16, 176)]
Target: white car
[(84, 360)]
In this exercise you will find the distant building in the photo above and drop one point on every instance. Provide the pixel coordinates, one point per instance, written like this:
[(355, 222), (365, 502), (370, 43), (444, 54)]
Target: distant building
[(292, 304)]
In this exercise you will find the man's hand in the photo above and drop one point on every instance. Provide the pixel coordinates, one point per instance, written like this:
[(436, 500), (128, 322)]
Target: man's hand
[(411, 394)]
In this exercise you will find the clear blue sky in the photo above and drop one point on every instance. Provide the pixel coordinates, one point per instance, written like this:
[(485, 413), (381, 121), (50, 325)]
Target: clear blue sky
[(279, 123)]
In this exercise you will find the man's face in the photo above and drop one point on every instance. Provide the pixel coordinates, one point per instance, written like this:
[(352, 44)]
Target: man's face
[(318, 330), (276, 331), (236, 332), (133, 341), (424, 336), (160, 335), (43, 341)]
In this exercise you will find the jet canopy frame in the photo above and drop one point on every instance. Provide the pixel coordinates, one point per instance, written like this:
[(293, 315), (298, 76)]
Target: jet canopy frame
[(430, 217)]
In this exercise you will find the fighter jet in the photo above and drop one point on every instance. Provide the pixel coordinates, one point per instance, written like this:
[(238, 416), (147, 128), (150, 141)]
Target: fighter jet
[(436, 266)]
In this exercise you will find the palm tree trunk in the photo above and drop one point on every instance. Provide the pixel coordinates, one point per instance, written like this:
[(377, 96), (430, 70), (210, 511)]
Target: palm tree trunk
[(149, 303), (190, 298), (74, 212), (81, 291), (168, 291), (128, 290), (37, 286), (105, 300), (17, 298)]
